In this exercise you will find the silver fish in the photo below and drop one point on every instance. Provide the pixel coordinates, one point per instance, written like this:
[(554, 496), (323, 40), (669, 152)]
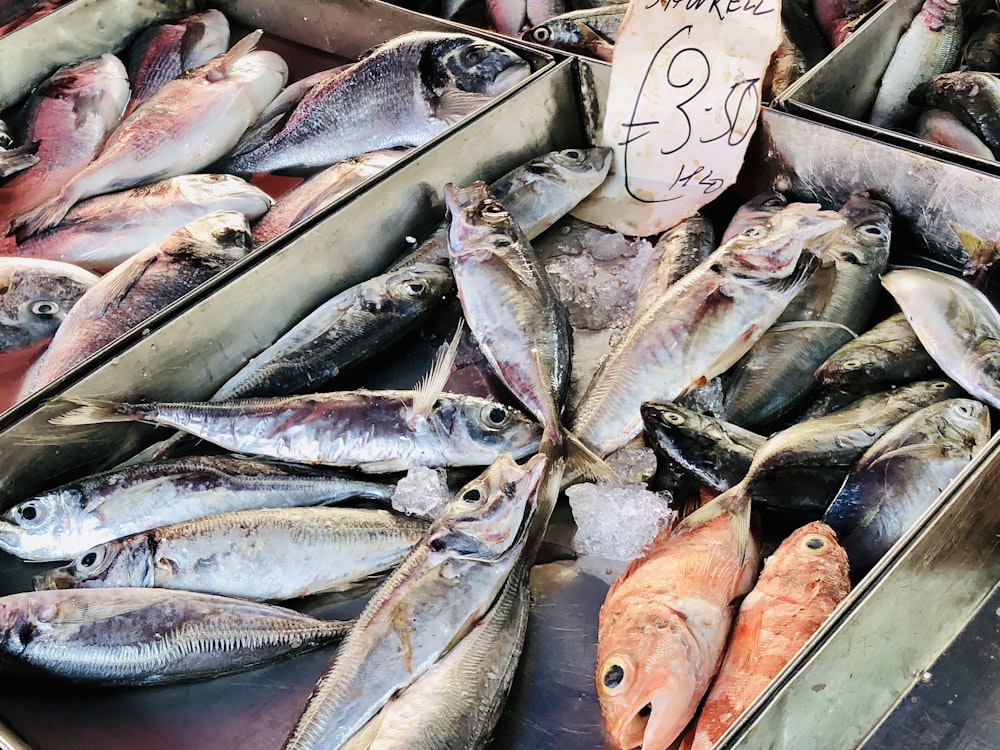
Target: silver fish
[(457, 701), (142, 286), (149, 636), (219, 99), (957, 324), (374, 431), (434, 597), (319, 191), (403, 93), (350, 327), (102, 232), (777, 372), (164, 51), (676, 253), (69, 116), (591, 31), (945, 129), (930, 45), (704, 323), (273, 554), (755, 211), (35, 296), (901, 475), (67, 521), (537, 194)]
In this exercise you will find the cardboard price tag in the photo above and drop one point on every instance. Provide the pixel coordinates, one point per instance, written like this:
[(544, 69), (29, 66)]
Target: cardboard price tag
[(683, 103)]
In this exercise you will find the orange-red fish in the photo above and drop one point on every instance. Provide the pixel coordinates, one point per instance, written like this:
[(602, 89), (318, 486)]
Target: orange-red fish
[(799, 587), (663, 626)]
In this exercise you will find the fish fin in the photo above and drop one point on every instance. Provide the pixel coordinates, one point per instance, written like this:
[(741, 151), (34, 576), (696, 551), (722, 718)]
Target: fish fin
[(90, 411), (981, 252), (580, 458), (224, 64), (746, 632), (453, 105), (124, 281), (734, 503), (42, 217), (595, 42), (429, 389), (81, 610), (15, 160), (921, 452)]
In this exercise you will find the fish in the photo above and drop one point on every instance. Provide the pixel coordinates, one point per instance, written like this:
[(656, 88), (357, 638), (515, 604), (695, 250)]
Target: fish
[(320, 190), (957, 325), (129, 636), (902, 474), (435, 597), (801, 467), (703, 324), (219, 99), (788, 64), (262, 555), (929, 46), (68, 520), (716, 452), (945, 129), (17, 13), (347, 329), (591, 31), (14, 159), (838, 19), (104, 231), (141, 287), (836, 302), (69, 116), (403, 93), (972, 96), (35, 297), (537, 194), (163, 51), (982, 49), (801, 584), (663, 625), (756, 211), (677, 252), (458, 700), (888, 352)]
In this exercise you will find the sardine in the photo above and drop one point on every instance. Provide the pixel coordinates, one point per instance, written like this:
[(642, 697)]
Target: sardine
[(35, 296), (831, 308), (982, 50), (973, 97), (102, 232), (319, 191), (65, 522), (676, 253), (403, 93), (888, 353), (142, 286), (756, 211), (273, 554), (799, 587), (717, 453), (69, 116), (446, 585), (801, 467), (537, 194), (457, 701), (663, 625), (930, 45), (704, 323), (591, 31), (163, 51), (945, 129), (219, 100), (149, 636), (901, 475), (349, 328), (957, 324)]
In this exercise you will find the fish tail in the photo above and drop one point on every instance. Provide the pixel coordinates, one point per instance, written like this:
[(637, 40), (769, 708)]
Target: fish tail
[(93, 411), (981, 252), (734, 503), (42, 217), (581, 459)]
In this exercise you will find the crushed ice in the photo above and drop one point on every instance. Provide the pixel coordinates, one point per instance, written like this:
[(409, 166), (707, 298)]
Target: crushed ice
[(616, 522), (421, 492)]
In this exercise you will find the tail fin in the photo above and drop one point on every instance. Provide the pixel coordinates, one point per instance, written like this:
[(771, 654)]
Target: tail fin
[(92, 411), (581, 459), (734, 503), (42, 217)]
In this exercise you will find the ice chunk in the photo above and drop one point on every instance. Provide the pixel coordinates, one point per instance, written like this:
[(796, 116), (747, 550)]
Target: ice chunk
[(616, 522), (633, 464), (706, 399), (421, 492)]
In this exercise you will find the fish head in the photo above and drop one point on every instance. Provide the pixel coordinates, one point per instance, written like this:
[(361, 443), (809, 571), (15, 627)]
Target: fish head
[(964, 424), (225, 191), (221, 237), (646, 682), (554, 32), (456, 64), (475, 431), (491, 513), (126, 562), (97, 88), (32, 528), (416, 286), (262, 74), (480, 224), (757, 210), (35, 295), (206, 34), (809, 563), (869, 226), (575, 163)]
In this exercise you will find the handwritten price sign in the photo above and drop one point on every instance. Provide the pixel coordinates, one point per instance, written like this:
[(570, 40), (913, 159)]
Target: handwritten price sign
[(683, 102)]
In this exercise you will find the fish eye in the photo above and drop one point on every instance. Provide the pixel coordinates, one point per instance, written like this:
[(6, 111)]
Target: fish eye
[(30, 513), (473, 496), (939, 385), (230, 236), (416, 288), (814, 544), (495, 415), (90, 560), (965, 409), (614, 675), (673, 417), (494, 210), (45, 308), (751, 232), (473, 56), (541, 34), (852, 364), (573, 154), (872, 230)]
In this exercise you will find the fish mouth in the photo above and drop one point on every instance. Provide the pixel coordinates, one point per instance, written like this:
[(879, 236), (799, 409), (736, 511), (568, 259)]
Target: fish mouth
[(656, 722), (508, 78), (51, 581)]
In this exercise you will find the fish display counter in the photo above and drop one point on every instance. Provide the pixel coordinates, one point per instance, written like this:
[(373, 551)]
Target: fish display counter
[(877, 643)]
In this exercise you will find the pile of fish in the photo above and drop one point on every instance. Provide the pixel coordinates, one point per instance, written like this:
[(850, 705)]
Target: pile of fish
[(941, 83), (138, 166)]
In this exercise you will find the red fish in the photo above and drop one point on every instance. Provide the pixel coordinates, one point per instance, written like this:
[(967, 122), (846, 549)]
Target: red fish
[(801, 584), (663, 626)]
